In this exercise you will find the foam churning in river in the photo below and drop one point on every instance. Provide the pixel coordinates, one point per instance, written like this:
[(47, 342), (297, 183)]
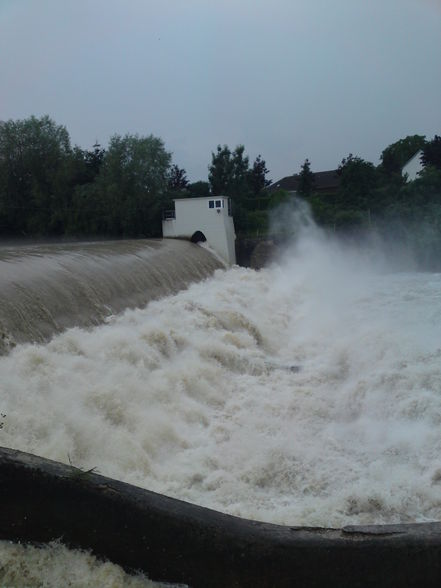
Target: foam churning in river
[(55, 565), (197, 396)]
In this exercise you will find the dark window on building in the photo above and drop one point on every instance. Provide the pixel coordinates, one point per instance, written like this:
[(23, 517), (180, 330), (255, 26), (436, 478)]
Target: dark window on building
[(218, 203), (211, 204)]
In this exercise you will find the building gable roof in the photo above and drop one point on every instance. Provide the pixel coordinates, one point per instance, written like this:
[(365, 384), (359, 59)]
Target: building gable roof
[(323, 181), (413, 166)]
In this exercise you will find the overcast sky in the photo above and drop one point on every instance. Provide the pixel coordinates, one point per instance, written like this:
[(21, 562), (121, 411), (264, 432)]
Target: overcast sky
[(289, 79)]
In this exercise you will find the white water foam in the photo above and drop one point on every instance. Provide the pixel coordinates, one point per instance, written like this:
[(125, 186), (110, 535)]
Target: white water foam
[(197, 396), (205, 245), (26, 566)]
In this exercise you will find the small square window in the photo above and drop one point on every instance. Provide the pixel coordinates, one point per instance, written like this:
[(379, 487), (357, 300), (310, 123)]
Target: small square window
[(218, 204), (211, 204)]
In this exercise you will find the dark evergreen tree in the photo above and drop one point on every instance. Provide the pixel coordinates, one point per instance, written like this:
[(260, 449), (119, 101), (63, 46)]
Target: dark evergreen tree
[(257, 176), (306, 180), (177, 179)]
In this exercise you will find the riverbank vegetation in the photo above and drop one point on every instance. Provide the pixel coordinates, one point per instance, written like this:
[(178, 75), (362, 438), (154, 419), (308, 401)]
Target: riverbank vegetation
[(50, 188), (380, 201)]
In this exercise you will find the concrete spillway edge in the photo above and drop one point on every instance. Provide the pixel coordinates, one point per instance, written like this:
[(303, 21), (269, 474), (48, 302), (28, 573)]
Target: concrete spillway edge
[(174, 541)]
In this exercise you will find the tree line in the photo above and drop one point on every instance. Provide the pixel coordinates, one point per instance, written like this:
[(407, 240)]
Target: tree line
[(50, 188), (380, 200), (369, 194)]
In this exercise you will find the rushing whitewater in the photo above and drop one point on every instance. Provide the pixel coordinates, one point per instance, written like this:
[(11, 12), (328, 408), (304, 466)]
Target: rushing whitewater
[(308, 393), (45, 289), (56, 566)]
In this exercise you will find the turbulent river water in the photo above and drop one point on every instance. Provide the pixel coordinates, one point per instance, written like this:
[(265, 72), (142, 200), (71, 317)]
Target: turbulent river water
[(307, 393), (45, 289)]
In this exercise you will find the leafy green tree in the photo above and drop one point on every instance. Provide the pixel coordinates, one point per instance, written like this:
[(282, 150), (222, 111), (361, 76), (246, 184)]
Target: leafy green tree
[(34, 156), (356, 196), (324, 209), (277, 198), (306, 180), (85, 165), (88, 213), (432, 153), (413, 217), (220, 171), (198, 189), (230, 175), (358, 181), (83, 210), (93, 160), (132, 185), (395, 156)]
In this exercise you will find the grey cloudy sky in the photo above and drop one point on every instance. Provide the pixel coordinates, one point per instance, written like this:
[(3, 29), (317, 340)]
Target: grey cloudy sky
[(289, 79)]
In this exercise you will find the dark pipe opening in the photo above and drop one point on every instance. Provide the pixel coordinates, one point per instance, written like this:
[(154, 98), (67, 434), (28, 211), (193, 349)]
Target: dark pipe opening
[(197, 237)]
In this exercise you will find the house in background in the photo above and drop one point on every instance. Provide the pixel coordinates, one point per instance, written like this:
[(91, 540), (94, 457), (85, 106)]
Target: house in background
[(413, 166), (324, 182), (203, 219)]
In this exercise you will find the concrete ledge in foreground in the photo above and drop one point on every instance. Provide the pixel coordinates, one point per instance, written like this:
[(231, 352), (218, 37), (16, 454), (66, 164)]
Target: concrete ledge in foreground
[(174, 541)]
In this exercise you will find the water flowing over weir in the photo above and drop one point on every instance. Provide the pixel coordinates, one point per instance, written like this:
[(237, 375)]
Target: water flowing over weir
[(45, 289), (305, 394)]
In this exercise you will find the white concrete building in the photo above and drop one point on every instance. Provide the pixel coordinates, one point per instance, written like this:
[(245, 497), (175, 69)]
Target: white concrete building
[(203, 219), (413, 166)]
